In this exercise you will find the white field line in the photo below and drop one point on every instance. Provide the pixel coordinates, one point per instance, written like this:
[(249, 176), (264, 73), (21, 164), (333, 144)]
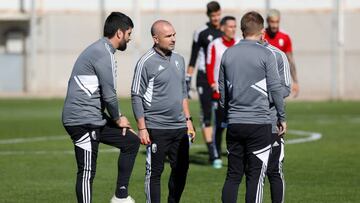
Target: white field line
[(305, 136), (308, 137), (33, 139)]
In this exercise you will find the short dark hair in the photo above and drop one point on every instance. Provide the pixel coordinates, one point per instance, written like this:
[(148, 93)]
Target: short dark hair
[(251, 23), (212, 6), (226, 18), (115, 21)]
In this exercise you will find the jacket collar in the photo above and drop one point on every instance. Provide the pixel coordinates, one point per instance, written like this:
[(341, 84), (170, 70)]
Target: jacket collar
[(107, 41)]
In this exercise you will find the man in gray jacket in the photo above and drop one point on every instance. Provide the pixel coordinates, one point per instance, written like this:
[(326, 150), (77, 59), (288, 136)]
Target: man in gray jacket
[(276, 158), (248, 80), (160, 105), (91, 91)]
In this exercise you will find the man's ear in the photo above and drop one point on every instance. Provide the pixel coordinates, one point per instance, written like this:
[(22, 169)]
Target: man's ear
[(222, 28), (156, 39), (263, 33), (120, 34)]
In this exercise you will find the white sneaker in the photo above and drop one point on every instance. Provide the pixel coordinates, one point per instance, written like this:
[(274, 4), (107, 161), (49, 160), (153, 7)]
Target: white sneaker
[(217, 163), (129, 199)]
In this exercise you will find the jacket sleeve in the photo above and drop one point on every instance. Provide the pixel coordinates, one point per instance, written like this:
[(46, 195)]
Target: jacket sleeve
[(221, 81), (107, 81), (138, 89), (185, 89), (284, 73), (210, 64), (195, 48), (274, 85)]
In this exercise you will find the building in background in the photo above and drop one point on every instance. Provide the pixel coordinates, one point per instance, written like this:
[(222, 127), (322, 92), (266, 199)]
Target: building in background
[(38, 50), (14, 30)]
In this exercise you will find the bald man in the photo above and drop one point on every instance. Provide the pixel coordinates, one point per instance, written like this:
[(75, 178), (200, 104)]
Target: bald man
[(160, 105)]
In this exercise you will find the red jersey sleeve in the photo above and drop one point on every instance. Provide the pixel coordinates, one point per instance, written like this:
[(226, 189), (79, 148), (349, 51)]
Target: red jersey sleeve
[(210, 65), (288, 44)]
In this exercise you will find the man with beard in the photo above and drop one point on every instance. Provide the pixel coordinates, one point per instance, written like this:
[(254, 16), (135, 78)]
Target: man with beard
[(282, 41), (202, 37), (160, 105), (91, 90)]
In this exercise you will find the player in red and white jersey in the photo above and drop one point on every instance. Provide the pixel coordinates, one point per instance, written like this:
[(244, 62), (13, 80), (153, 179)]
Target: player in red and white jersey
[(278, 38), (215, 51)]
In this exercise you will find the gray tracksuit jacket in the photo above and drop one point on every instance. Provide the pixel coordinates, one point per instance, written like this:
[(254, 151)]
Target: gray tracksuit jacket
[(285, 78), (248, 73), (92, 87), (158, 90)]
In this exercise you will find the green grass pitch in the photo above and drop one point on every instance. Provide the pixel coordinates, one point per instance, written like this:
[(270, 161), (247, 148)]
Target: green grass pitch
[(37, 170)]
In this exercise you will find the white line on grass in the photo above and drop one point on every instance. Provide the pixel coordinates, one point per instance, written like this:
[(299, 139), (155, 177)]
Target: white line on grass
[(311, 136), (305, 137), (53, 152), (33, 139)]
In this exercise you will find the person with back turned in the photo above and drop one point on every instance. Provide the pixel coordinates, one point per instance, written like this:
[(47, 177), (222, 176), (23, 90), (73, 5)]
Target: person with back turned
[(248, 80)]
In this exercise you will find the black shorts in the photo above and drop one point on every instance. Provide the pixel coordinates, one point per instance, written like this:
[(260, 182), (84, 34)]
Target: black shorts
[(205, 96)]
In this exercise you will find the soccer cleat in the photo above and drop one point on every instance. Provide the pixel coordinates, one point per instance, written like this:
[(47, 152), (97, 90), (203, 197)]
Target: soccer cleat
[(129, 199), (217, 163)]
